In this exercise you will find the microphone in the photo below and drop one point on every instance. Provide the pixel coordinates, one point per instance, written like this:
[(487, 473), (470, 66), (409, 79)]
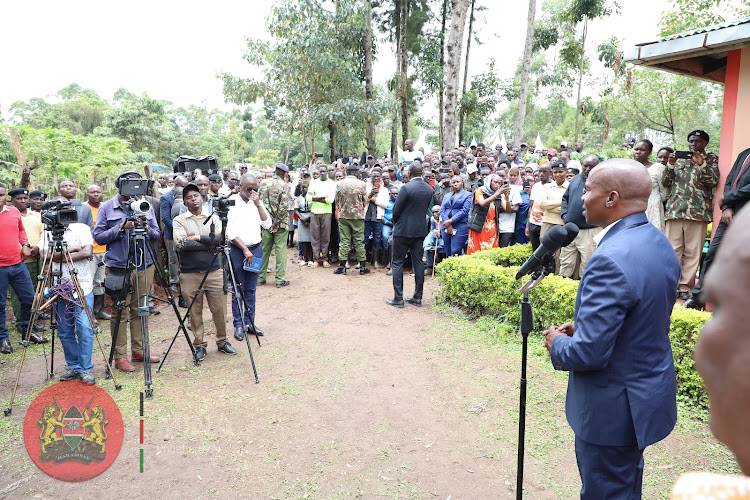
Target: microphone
[(555, 238)]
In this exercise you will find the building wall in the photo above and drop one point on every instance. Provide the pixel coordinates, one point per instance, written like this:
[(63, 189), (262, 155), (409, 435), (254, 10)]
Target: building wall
[(735, 126)]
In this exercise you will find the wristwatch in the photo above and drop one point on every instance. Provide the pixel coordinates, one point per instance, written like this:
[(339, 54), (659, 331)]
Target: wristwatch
[(26, 245)]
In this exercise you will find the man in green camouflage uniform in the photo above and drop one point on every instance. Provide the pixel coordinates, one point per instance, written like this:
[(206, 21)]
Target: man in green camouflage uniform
[(351, 200), (274, 193), (691, 183)]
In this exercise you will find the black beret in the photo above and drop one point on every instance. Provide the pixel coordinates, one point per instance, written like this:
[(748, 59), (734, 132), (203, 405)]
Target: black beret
[(699, 133), (558, 164), (214, 177), (38, 194), (18, 192)]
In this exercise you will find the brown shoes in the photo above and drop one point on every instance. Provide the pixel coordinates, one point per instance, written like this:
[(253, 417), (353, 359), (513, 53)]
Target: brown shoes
[(326, 264), (124, 365), (139, 358)]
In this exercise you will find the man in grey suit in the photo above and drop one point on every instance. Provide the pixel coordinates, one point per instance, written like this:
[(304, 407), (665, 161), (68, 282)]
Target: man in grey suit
[(409, 229), (68, 190)]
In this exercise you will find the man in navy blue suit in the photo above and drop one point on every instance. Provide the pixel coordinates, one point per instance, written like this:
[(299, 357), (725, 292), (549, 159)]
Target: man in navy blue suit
[(622, 388)]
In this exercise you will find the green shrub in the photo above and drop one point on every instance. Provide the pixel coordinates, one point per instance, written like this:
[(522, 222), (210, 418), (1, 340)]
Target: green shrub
[(484, 284)]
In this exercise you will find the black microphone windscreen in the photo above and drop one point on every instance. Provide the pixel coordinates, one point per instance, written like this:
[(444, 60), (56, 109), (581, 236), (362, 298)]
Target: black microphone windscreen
[(554, 238), (571, 231)]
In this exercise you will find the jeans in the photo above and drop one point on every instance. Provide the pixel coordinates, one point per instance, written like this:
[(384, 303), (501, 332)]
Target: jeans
[(247, 281), (374, 228), (387, 232), (429, 242), (75, 333), (18, 277)]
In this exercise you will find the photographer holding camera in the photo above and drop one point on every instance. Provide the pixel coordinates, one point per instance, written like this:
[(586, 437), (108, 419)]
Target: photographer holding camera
[(114, 223), (74, 329), (194, 243)]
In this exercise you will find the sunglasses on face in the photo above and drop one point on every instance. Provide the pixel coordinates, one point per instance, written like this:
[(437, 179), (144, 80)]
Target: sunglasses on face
[(250, 189)]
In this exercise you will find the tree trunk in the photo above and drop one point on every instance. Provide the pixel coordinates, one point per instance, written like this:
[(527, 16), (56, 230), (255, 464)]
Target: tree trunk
[(524, 96), (453, 68), (332, 139), (402, 68), (394, 136), (442, 87), (463, 116), (26, 181), (370, 132), (580, 72)]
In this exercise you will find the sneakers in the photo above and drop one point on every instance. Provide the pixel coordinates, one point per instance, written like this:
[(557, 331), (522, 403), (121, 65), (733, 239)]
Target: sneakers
[(69, 374), (310, 264), (302, 263), (88, 377)]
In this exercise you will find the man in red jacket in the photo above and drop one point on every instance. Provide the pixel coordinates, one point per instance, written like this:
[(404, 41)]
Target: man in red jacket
[(14, 248)]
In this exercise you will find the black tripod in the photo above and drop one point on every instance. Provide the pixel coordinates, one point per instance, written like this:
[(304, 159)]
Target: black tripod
[(138, 246), (222, 253), (50, 279), (527, 325)]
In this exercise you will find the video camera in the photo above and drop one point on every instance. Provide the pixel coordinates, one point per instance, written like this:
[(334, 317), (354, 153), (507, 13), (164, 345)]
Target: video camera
[(222, 204), (206, 164), (132, 186), (59, 214)]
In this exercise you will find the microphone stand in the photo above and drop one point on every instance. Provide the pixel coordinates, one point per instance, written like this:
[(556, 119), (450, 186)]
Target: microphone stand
[(527, 325)]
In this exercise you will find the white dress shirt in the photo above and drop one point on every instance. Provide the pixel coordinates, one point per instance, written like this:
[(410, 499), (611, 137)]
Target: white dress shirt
[(244, 221), (599, 237)]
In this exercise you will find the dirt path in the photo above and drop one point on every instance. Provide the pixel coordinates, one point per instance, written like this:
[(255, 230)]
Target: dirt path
[(356, 399)]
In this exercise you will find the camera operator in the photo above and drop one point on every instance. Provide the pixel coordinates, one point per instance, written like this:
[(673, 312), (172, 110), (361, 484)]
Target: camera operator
[(68, 189), (73, 327), (245, 221), (194, 243), (113, 230)]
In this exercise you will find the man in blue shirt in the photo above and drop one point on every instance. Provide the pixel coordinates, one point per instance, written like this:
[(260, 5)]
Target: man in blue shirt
[(112, 229)]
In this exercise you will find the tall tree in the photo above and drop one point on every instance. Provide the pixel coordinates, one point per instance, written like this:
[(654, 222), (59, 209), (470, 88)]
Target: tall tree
[(370, 133), (402, 19), (453, 49), (524, 95), (466, 71), (441, 99)]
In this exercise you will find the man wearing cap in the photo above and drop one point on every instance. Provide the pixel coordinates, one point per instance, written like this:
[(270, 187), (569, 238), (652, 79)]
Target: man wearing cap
[(68, 189), (114, 231), (472, 180), (691, 184), (14, 248), (563, 146), (214, 186), (351, 200), (274, 193), (193, 241), (36, 198), (32, 224)]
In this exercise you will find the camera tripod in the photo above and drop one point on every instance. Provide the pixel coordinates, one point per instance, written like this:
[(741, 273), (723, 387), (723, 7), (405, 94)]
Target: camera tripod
[(138, 246), (51, 280), (222, 253)]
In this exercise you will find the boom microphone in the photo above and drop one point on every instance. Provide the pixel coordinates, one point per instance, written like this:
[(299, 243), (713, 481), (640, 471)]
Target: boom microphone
[(555, 238)]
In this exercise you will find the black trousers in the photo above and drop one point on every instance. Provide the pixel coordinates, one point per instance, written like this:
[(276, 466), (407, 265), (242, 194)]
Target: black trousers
[(708, 259), (400, 246), (534, 233)]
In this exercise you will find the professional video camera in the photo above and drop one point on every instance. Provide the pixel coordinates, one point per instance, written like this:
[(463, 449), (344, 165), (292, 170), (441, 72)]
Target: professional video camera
[(59, 214), (206, 164), (222, 204)]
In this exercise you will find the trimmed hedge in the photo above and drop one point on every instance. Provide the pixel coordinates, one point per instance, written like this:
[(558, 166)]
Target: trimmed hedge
[(484, 284)]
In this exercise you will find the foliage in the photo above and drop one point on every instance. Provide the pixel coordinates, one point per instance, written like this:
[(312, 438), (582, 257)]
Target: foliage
[(264, 158), (686, 15), (484, 284), (480, 101)]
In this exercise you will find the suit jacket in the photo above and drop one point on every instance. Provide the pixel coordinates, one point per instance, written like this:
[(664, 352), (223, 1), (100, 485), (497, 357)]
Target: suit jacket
[(165, 208), (85, 216), (410, 209), (456, 208), (622, 389), (736, 197)]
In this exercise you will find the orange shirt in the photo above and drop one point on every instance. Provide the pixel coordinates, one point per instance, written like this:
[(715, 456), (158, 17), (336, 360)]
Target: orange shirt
[(97, 247)]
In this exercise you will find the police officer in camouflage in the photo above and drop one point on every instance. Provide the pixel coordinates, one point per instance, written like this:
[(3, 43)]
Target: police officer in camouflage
[(691, 184), (351, 200), (274, 193)]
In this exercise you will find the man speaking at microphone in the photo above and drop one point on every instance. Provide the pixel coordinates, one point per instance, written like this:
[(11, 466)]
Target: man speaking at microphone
[(622, 388)]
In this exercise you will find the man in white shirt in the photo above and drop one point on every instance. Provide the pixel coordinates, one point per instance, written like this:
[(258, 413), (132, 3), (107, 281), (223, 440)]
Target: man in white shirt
[(409, 155), (510, 201), (74, 330), (538, 191), (245, 220)]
